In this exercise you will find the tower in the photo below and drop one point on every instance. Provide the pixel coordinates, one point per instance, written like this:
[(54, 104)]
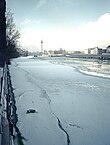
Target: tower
[(41, 46)]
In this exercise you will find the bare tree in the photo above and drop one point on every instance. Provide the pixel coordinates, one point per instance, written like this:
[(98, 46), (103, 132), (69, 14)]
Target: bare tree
[(12, 36)]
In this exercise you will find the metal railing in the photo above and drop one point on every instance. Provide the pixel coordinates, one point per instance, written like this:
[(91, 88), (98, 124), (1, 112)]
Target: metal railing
[(4, 140), (6, 112), (9, 132)]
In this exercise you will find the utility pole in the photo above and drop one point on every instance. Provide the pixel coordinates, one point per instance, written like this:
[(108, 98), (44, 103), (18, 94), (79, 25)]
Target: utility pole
[(2, 32)]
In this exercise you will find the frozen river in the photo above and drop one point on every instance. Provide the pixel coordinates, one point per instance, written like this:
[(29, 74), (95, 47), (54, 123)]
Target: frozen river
[(71, 98)]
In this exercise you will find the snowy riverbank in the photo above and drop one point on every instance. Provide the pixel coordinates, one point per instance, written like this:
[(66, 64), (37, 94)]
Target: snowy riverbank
[(72, 108)]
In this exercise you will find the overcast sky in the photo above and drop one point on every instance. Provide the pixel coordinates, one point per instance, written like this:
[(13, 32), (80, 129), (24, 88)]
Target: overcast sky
[(66, 24)]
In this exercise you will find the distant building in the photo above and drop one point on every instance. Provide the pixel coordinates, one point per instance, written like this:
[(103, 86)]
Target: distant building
[(45, 52), (108, 49), (61, 51), (86, 51), (50, 53), (94, 50), (103, 50), (78, 52), (70, 52)]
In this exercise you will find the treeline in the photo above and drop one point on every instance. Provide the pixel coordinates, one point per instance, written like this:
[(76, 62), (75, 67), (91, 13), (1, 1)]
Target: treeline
[(12, 37)]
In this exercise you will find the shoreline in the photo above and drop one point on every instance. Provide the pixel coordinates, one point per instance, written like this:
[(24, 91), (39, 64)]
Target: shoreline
[(104, 56)]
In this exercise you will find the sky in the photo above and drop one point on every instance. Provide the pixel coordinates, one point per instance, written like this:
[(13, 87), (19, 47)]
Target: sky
[(67, 24)]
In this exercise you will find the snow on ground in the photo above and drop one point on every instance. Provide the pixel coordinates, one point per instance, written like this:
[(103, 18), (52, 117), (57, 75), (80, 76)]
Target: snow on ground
[(72, 108)]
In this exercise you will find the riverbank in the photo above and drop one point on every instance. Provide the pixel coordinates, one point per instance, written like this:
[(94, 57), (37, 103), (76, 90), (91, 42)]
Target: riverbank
[(104, 56)]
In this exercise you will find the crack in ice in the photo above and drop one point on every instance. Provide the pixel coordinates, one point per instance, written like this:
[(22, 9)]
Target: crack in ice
[(75, 125), (61, 127)]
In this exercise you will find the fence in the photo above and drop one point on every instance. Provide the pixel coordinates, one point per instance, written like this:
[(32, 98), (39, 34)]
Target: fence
[(8, 117)]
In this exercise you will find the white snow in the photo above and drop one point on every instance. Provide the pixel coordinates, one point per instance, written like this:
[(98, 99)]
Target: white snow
[(60, 93)]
